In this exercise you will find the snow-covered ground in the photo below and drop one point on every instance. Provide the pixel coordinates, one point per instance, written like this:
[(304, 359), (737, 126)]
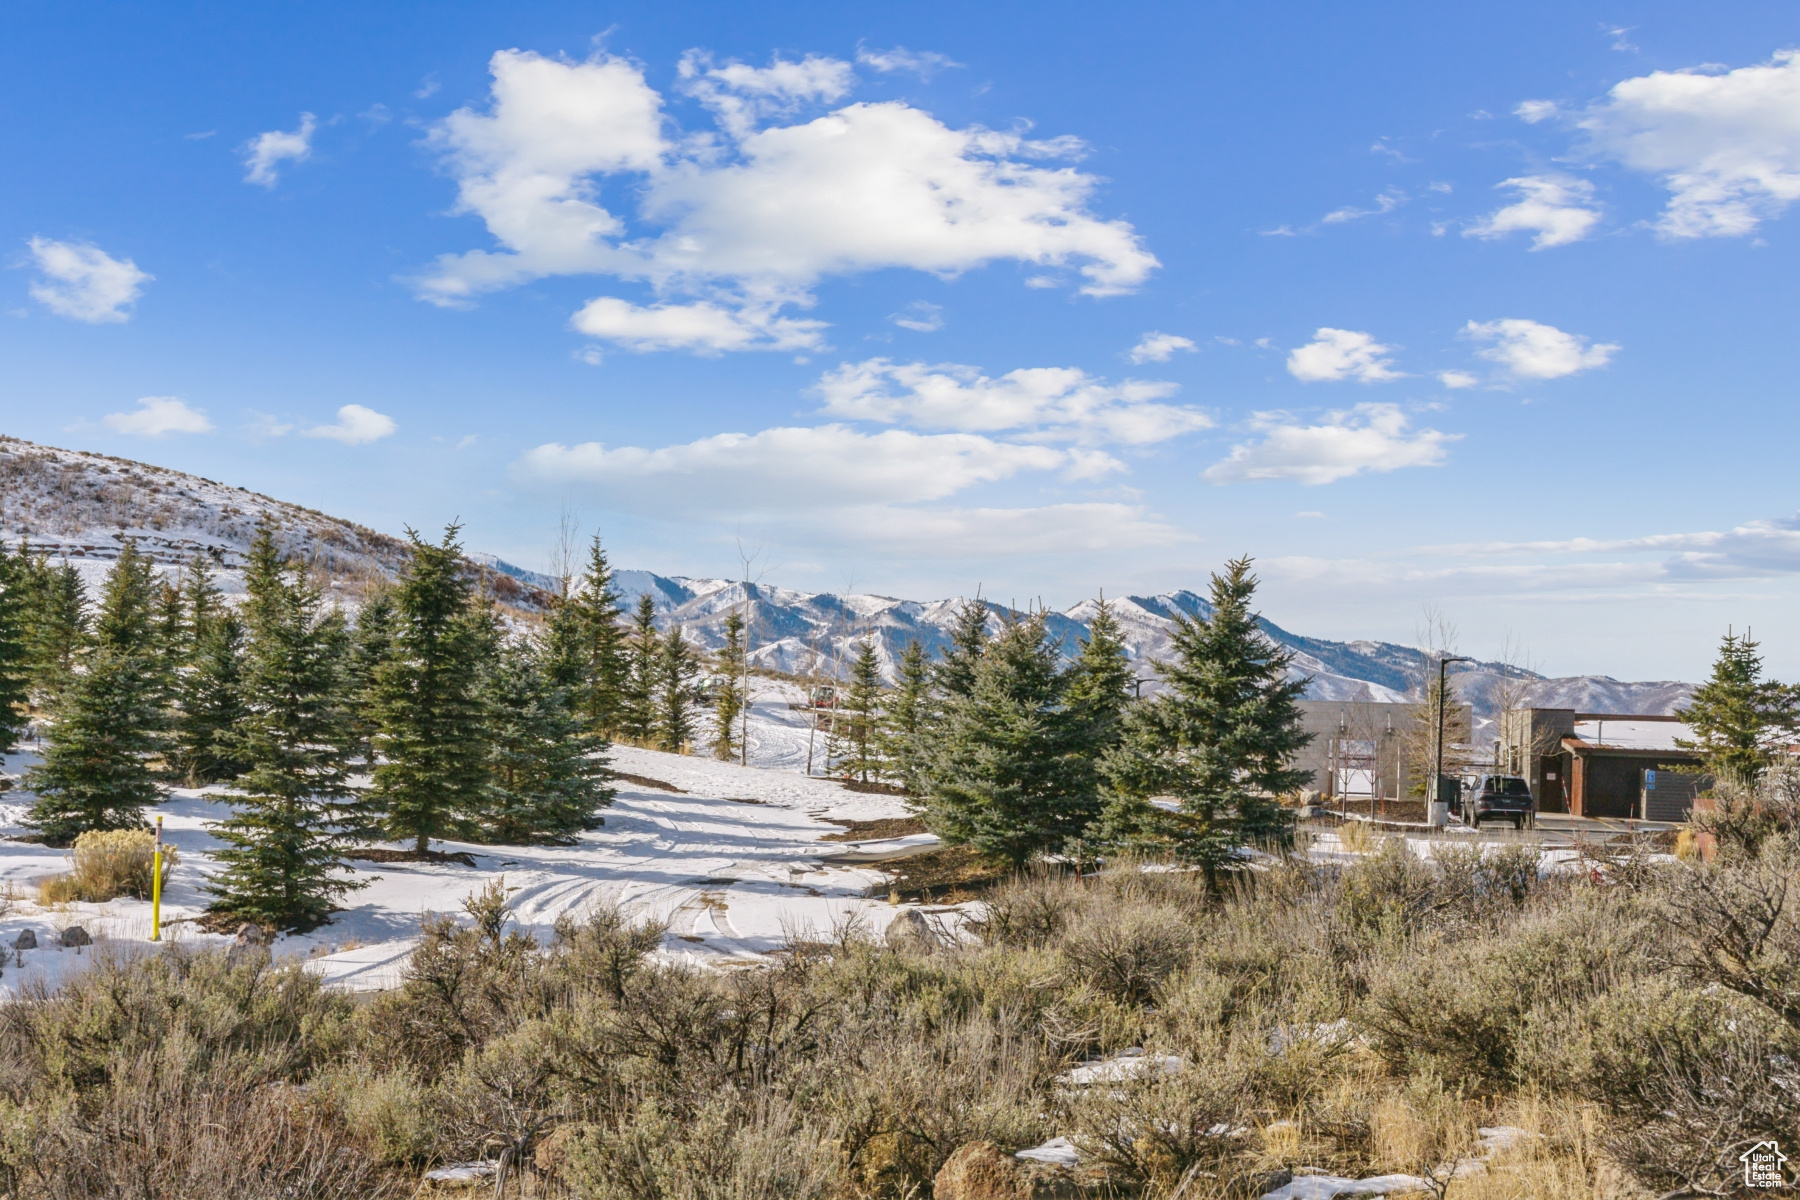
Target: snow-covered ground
[(734, 863)]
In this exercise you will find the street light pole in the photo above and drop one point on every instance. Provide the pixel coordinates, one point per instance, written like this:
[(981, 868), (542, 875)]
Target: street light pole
[(1432, 815)]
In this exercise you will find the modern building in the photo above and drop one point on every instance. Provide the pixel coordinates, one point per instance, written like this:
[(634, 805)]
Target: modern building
[(1356, 748), (1620, 765)]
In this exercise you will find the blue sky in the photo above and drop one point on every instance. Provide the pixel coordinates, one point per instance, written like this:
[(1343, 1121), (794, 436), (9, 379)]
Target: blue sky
[(1485, 309)]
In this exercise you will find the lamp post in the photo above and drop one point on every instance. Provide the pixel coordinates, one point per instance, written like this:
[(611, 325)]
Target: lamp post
[(1439, 812)]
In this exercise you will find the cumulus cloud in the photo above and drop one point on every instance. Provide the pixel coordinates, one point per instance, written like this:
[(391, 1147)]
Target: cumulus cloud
[(1531, 350), (1457, 379), (703, 327), (1038, 403), (355, 426), (753, 217), (1338, 354), (83, 282), (266, 151), (1726, 144), (1368, 438), (923, 63), (157, 416), (1558, 211), (1158, 347)]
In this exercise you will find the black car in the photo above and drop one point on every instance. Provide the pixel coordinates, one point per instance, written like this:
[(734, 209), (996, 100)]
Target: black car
[(1497, 797)]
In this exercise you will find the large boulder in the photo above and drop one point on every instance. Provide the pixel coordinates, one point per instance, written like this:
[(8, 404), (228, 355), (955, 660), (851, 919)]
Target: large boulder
[(983, 1171), (27, 940), (911, 930), (75, 935)]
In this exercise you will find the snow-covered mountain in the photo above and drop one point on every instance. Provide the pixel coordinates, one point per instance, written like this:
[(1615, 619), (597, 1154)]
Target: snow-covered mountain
[(82, 507)]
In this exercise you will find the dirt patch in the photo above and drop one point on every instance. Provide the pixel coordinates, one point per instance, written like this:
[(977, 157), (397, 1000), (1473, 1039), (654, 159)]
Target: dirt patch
[(869, 831), (374, 854), (952, 875), (742, 800), (646, 781), (1381, 810), (878, 789)]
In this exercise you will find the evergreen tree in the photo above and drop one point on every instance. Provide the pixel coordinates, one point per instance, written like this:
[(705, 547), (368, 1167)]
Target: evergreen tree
[(1220, 738), (1006, 775), (905, 715), (675, 672), (954, 674), (728, 693), (863, 709), (110, 718), (1101, 688), (15, 672), (429, 702), (1740, 720), (371, 645), (210, 687), (639, 716), (549, 775), (589, 647), (56, 627), (283, 861)]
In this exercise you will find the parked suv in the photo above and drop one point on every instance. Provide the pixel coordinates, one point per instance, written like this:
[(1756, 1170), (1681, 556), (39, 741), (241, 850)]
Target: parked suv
[(1497, 797)]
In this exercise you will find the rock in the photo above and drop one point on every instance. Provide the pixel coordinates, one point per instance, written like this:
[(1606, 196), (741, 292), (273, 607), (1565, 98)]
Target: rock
[(983, 1171), (911, 930), (75, 935), (251, 934), (27, 940), (457, 1179), (1269, 1181)]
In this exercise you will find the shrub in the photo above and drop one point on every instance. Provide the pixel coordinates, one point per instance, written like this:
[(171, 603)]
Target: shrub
[(1127, 949), (107, 864)]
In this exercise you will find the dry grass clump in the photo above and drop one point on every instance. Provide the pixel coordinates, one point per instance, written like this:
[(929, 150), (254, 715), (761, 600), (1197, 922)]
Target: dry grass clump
[(1616, 1034), (108, 864)]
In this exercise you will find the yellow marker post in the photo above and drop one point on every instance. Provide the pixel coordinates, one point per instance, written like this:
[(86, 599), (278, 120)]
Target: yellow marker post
[(156, 885)]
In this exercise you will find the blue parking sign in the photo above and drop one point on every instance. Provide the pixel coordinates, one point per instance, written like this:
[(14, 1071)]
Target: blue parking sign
[(1649, 781)]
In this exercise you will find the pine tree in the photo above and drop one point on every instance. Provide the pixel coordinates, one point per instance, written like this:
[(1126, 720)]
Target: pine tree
[(110, 718), (675, 672), (283, 861), (593, 643), (1220, 738), (430, 705), (1006, 776), (15, 673), (639, 716), (1740, 720), (56, 627), (371, 645), (863, 709), (209, 690), (954, 674), (1101, 688), (549, 775), (728, 693), (905, 716)]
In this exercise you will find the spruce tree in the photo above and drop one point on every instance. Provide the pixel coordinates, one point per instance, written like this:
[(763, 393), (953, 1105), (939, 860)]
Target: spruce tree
[(371, 645), (905, 715), (954, 674), (549, 775), (429, 700), (284, 857), (863, 707), (1006, 774), (1220, 738), (593, 643), (1101, 688), (56, 627), (639, 716), (728, 693), (675, 672), (1740, 720), (209, 690), (15, 672), (110, 718)]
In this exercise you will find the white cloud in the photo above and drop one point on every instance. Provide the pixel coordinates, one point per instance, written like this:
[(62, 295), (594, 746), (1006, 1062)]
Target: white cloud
[(703, 327), (1158, 347), (355, 426), (1530, 350), (1387, 202), (1370, 437), (1338, 354), (923, 63), (755, 218), (1042, 403), (264, 152), (788, 469), (1726, 145), (1556, 210), (83, 282), (921, 316), (1457, 379), (1534, 111), (157, 416)]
